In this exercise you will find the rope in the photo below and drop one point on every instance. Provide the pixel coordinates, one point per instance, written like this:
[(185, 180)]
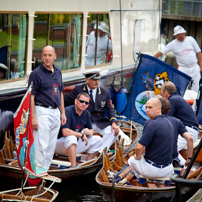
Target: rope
[(44, 191)]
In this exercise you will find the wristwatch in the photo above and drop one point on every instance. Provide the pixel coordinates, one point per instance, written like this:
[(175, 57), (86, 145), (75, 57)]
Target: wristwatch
[(82, 134), (189, 157)]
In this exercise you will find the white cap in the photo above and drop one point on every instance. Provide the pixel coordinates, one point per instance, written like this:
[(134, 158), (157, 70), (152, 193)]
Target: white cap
[(92, 73), (3, 66), (178, 30), (102, 27)]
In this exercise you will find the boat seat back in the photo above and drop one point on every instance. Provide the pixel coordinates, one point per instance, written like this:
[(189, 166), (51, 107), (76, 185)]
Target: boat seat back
[(165, 180), (177, 170)]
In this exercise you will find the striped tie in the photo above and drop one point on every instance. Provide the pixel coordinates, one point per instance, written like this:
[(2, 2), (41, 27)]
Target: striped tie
[(91, 95)]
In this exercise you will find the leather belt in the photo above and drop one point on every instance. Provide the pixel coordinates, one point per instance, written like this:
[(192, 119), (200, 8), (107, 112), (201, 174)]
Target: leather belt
[(195, 128), (156, 165), (43, 105)]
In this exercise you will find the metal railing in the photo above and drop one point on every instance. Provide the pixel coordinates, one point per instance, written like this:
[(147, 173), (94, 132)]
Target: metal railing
[(192, 8)]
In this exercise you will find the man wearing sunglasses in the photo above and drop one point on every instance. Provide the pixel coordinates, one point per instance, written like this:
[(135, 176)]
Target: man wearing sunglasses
[(77, 132), (100, 102)]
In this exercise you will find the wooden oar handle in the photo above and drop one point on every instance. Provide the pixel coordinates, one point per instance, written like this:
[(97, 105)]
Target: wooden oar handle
[(195, 173), (125, 172), (127, 178)]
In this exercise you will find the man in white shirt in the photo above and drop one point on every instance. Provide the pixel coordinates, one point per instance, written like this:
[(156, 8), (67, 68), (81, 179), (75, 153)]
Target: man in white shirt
[(187, 53), (103, 45)]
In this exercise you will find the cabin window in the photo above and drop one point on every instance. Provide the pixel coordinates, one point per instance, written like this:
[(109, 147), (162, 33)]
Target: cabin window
[(13, 38), (63, 32), (98, 44)]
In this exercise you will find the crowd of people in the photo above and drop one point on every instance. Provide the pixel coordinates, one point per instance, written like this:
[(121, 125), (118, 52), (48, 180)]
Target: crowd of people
[(172, 123)]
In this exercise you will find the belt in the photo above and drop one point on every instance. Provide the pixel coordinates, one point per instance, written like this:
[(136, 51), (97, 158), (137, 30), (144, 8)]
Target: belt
[(188, 65), (43, 105), (195, 128), (156, 165)]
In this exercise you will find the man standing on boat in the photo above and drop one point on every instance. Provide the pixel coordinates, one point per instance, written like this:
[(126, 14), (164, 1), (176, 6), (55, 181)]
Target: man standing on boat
[(182, 110), (187, 52), (47, 104), (153, 153), (100, 102), (179, 128), (77, 132), (103, 45)]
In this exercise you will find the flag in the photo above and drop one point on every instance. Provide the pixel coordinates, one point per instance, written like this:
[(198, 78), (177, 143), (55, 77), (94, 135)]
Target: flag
[(146, 83), (24, 139)]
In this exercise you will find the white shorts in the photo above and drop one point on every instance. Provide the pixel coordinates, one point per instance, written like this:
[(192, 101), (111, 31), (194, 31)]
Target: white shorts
[(94, 144), (108, 137)]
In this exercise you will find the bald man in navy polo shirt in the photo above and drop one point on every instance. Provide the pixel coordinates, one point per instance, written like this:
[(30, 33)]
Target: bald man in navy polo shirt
[(47, 104), (153, 153)]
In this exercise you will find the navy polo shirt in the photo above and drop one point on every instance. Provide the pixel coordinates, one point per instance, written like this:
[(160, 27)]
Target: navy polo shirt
[(158, 137), (74, 121), (47, 86), (179, 128), (182, 110)]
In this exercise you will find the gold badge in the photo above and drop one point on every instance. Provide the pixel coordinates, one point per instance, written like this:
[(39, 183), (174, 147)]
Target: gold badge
[(103, 103)]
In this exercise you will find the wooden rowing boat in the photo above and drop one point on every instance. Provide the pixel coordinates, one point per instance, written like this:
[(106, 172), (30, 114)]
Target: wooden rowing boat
[(9, 166), (36, 193), (118, 183)]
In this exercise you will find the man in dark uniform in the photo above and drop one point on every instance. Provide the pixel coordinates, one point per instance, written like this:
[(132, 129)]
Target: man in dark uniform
[(100, 101)]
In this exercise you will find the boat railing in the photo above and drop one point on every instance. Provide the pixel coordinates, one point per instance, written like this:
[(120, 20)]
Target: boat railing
[(180, 183)]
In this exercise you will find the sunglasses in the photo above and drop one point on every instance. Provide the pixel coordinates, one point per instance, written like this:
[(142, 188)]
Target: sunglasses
[(82, 101)]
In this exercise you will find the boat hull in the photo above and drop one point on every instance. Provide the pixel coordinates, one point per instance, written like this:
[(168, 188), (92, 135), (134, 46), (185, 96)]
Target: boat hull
[(125, 194)]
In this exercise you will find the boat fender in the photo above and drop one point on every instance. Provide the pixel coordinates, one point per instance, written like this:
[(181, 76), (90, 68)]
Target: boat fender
[(121, 100)]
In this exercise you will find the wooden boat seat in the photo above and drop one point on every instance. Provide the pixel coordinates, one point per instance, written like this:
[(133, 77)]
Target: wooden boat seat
[(61, 164), (165, 180)]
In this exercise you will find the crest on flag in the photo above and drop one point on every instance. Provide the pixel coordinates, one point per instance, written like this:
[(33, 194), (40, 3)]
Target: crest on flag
[(25, 141)]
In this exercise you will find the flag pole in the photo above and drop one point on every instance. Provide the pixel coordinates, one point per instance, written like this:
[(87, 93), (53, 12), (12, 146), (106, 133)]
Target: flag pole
[(27, 141)]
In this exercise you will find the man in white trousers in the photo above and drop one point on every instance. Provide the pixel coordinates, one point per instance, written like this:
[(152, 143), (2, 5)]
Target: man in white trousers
[(47, 104), (188, 54)]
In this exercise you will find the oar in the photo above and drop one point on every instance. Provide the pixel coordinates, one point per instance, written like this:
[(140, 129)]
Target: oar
[(118, 158), (122, 175), (195, 173), (127, 178), (192, 160), (121, 170)]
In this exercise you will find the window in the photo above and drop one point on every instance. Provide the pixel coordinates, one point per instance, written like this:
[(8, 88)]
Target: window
[(13, 38), (98, 43), (63, 32)]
